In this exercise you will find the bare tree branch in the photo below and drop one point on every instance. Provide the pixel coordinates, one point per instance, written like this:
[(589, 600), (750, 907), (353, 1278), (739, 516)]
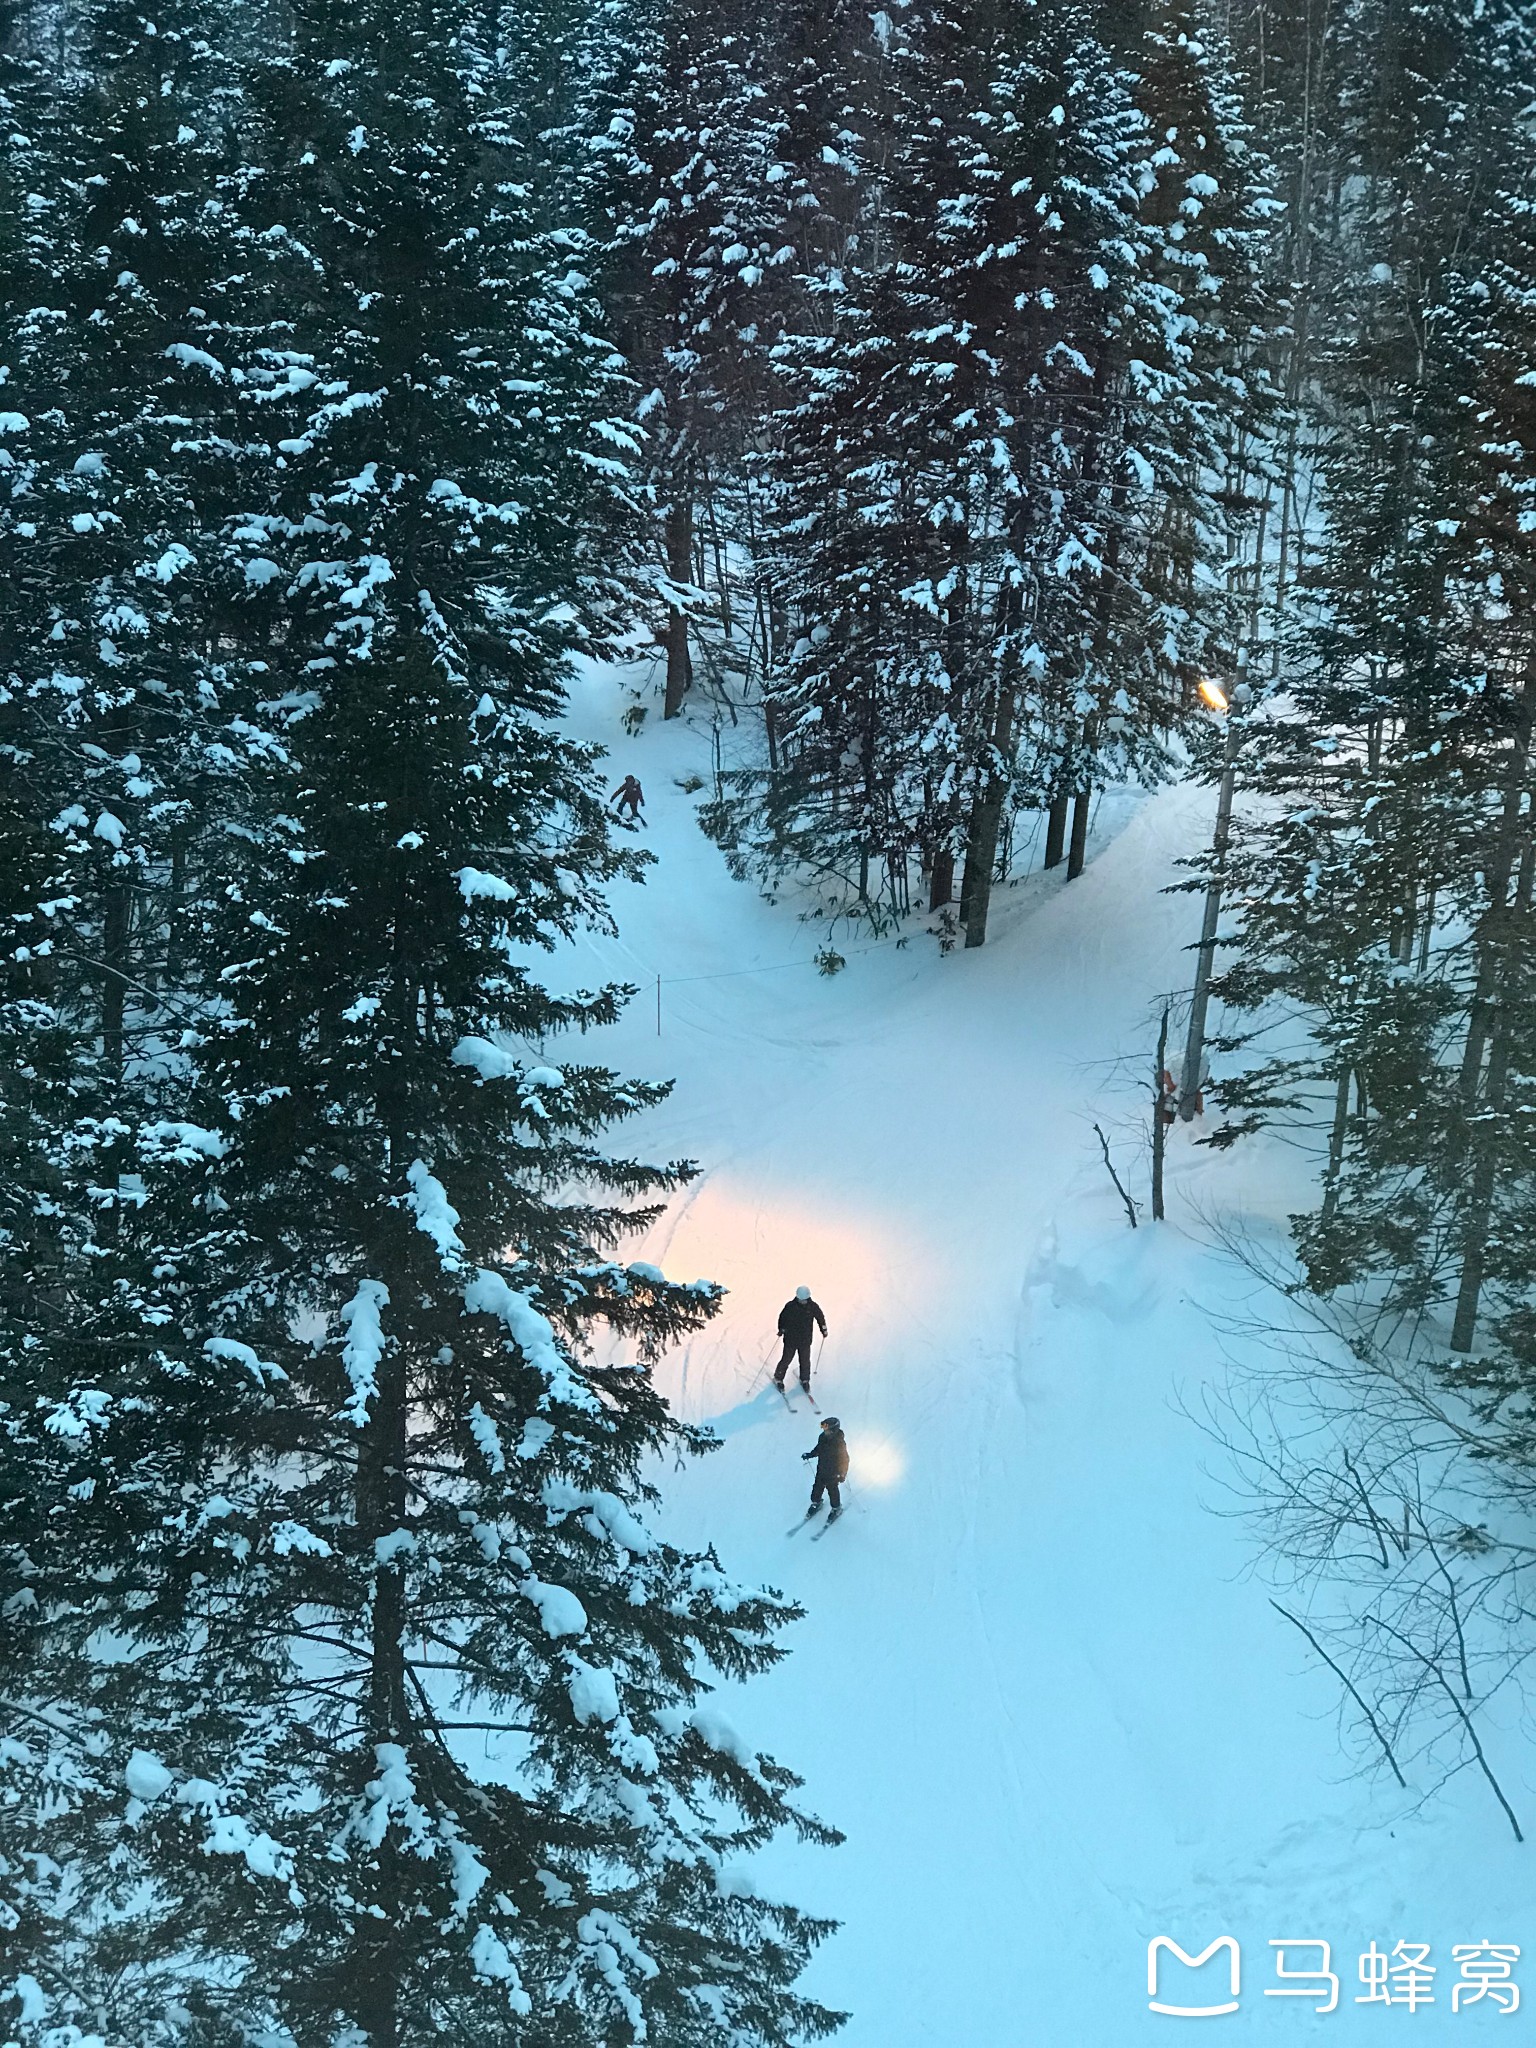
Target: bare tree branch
[(1349, 1686), (1130, 1206), (1466, 1720)]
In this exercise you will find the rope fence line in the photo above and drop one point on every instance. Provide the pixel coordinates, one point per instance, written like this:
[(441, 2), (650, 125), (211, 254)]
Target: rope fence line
[(646, 973), (727, 973), (773, 967)]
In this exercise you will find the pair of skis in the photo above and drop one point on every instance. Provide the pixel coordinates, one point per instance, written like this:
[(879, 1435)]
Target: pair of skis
[(808, 1516), (784, 1395)]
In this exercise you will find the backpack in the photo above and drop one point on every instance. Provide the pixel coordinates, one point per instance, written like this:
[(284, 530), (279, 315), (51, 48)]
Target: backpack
[(842, 1455)]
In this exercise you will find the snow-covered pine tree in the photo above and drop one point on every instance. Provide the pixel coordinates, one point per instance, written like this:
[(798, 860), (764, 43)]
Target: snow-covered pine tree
[(1215, 225), (36, 1101), (115, 640), (124, 720), (994, 487), (1388, 889), (674, 155), (815, 212), (837, 798), (1178, 393), (1487, 1164), (819, 141), (351, 1483), (1334, 908), (848, 792)]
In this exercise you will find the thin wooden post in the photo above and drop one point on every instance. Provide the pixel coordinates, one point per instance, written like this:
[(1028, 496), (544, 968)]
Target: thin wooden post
[(1159, 1119)]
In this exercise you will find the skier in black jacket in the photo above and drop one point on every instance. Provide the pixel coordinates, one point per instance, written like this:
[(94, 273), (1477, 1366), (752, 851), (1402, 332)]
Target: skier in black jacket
[(629, 796), (831, 1455), (797, 1318)]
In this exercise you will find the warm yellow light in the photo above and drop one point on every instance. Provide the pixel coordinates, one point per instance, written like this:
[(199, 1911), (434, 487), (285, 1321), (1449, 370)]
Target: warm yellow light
[(761, 1241), (1213, 694), (874, 1460)]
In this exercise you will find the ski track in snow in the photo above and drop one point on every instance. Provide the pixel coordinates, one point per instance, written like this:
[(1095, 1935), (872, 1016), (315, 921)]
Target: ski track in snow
[(1039, 1683)]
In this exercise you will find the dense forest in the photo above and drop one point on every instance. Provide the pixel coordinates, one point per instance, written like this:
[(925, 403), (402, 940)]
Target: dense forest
[(966, 405)]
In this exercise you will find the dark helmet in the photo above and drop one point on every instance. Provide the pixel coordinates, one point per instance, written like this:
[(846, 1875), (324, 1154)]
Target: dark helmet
[(831, 1422)]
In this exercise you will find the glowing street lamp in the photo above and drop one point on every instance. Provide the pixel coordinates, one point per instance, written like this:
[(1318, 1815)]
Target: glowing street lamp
[(1216, 697)]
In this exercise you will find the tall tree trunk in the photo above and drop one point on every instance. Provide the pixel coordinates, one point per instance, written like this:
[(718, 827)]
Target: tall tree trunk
[(1299, 353), (1056, 828), (114, 952), (381, 1509), (722, 577), (382, 1496), (1479, 1209), (1486, 1133), (175, 922), (778, 625), (1427, 930), (1077, 850), (1159, 1119), (1500, 868), (986, 821), (680, 570), (1336, 1137), (872, 803), (941, 880)]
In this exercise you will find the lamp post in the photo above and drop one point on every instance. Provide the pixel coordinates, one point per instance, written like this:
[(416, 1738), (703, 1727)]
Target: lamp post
[(1194, 1045)]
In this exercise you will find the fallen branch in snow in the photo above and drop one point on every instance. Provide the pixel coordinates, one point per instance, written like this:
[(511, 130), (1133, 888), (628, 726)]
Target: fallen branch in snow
[(1130, 1206), (1348, 1683)]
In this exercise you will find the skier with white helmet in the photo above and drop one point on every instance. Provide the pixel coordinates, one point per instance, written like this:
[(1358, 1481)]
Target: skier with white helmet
[(797, 1318)]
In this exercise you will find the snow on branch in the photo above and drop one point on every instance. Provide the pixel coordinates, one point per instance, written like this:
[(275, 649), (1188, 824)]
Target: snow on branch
[(491, 1295), (436, 1216), (364, 1347)]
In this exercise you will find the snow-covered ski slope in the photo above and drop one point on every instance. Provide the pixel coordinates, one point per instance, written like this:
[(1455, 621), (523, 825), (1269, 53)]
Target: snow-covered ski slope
[(1039, 1684)]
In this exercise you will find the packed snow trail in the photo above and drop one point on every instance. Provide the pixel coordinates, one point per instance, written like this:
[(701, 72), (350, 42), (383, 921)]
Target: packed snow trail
[(1038, 1684)]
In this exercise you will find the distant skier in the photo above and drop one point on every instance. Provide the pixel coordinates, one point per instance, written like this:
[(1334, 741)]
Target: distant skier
[(831, 1455), (797, 1318), (629, 796)]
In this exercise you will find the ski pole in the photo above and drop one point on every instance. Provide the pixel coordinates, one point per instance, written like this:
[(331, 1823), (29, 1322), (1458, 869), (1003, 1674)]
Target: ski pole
[(767, 1361)]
